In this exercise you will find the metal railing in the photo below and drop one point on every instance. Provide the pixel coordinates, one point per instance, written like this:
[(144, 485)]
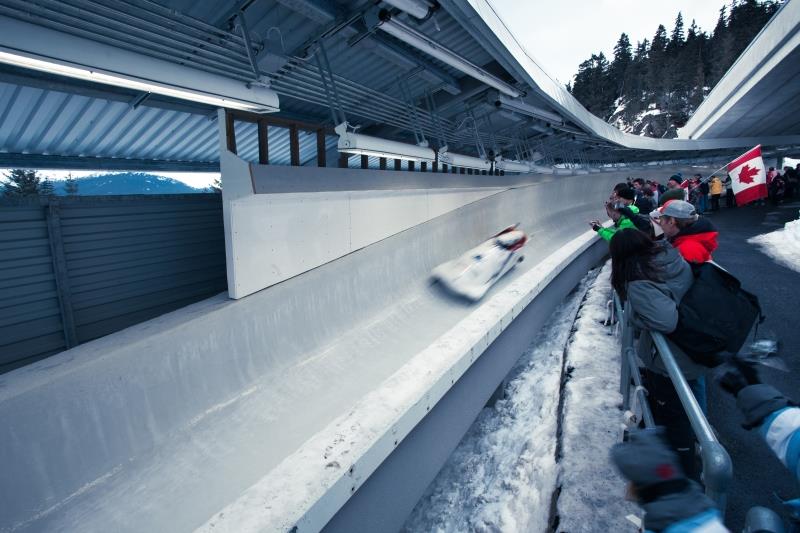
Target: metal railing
[(717, 466)]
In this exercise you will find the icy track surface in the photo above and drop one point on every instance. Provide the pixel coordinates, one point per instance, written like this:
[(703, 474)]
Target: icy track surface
[(782, 245), (503, 474)]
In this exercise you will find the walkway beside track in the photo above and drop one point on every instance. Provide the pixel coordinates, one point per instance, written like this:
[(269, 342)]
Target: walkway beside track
[(757, 473)]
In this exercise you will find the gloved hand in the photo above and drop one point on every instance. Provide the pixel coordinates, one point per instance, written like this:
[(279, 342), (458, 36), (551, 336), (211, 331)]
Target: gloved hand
[(595, 224), (738, 376)]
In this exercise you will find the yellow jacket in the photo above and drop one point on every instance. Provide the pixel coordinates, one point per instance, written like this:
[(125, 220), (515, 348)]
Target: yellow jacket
[(715, 186)]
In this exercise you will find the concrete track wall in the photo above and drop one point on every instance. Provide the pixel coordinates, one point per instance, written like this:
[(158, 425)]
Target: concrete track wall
[(160, 426)]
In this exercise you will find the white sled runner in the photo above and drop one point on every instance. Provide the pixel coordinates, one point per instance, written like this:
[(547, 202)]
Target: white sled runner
[(473, 274)]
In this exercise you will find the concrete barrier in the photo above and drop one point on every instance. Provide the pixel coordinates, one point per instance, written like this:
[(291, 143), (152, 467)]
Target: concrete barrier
[(162, 425)]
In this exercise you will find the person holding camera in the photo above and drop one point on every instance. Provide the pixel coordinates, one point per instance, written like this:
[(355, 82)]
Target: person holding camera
[(620, 209)]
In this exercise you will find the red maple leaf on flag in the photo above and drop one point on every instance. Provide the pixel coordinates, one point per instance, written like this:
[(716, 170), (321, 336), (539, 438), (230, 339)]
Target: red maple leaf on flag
[(747, 174)]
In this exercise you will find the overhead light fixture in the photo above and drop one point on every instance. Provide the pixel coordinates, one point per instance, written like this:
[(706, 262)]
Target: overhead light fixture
[(523, 108), (417, 8), (512, 166), (360, 144), (61, 68), (383, 20), (463, 161)]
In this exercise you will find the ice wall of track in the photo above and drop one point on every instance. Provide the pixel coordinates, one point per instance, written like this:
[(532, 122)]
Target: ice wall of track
[(160, 426)]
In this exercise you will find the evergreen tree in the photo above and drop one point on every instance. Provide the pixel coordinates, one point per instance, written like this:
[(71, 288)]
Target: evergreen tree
[(216, 185), (46, 188), (623, 57), (71, 185), (21, 182), (676, 38)]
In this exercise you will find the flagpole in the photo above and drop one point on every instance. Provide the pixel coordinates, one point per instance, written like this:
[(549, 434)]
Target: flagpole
[(725, 166)]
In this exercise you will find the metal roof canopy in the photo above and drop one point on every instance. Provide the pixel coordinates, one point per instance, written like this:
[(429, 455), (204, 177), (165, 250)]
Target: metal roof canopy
[(50, 121)]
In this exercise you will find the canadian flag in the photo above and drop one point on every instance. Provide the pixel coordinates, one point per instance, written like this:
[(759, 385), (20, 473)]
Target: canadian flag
[(748, 176)]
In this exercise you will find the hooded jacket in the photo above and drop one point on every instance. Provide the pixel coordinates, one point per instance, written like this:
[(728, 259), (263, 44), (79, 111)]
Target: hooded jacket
[(654, 306), (696, 242), (623, 222)]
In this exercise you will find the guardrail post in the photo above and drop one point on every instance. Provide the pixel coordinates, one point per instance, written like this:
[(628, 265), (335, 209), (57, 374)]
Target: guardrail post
[(717, 472)]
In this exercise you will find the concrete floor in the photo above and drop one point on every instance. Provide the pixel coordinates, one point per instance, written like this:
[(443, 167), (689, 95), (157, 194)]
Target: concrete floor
[(758, 475)]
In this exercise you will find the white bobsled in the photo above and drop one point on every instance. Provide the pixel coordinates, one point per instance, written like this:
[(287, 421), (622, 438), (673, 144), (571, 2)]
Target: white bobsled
[(473, 273)]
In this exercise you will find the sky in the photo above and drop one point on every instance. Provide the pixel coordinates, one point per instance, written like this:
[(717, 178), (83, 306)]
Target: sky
[(197, 180), (561, 35)]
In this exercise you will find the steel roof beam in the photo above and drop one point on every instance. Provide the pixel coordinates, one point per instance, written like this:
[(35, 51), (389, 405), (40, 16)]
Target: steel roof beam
[(15, 160)]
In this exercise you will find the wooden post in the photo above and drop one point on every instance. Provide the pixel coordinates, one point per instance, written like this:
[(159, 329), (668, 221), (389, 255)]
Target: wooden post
[(423, 166), (382, 163), (411, 166), (294, 145), (263, 143), (230, 132), (398, 164), (321, 151), (344, 160), (364, 161)]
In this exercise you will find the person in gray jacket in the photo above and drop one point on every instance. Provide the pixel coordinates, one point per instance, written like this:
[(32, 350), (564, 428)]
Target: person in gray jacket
[(651, 277)]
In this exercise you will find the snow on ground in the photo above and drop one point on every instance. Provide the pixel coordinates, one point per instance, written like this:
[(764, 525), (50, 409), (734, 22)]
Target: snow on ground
[(782, 245), (503, 473), (592, 493)]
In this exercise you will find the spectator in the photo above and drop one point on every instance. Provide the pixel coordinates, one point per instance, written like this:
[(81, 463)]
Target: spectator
[(616, 210), (776, 417), (674, 190), (646, 203), (730, 198), (671, 502), (652, 277), (695, 237), (704, 190), (715, 188)]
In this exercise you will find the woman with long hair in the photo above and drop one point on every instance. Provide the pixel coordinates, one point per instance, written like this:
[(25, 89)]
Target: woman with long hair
[(651, 277)]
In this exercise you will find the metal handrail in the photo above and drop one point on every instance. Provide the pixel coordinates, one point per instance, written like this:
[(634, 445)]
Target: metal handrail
[(717, 466)]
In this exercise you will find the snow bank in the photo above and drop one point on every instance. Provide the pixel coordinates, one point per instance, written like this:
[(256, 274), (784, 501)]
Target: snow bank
[(592, 493), (782, 245), (502, 475)]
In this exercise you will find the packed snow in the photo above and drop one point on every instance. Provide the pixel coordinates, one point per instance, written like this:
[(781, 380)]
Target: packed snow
[(592, 493), (782, 245), (504, 473)]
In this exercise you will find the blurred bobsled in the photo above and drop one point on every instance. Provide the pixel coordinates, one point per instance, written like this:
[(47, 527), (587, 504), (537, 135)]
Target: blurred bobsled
[(474, 273)]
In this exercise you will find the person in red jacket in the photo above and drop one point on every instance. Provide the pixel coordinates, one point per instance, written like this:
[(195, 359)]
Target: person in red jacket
[(695, 237)]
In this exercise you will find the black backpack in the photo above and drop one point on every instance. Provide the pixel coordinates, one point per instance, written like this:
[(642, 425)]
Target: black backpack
[(715, 315)]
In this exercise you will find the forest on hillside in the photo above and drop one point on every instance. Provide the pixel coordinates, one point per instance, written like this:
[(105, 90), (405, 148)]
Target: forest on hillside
[(652, 88)]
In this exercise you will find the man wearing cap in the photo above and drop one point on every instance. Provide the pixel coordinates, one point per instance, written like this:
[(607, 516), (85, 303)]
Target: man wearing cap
[(694, 237), (620, 203), (674, 190), (671, 501)]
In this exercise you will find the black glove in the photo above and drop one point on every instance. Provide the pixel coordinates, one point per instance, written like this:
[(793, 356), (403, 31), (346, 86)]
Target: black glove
[(596, 227), (740, 375)]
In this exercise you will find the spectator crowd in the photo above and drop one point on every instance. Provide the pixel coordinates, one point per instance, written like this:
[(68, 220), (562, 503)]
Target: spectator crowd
[(659, 241)]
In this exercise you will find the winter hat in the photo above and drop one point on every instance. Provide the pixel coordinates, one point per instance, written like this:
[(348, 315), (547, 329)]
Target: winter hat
[(645, 460), (678, 178), (626, 193), (678, 209)]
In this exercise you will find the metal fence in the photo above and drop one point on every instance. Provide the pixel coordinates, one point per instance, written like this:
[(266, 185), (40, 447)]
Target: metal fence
[(73, 269), (717, 466)]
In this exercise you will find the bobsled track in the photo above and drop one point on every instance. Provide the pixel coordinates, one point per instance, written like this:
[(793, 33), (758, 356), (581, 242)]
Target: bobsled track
[(329, 400)]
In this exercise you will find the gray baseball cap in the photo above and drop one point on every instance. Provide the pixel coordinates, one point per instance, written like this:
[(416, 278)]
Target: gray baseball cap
[(678, 209)]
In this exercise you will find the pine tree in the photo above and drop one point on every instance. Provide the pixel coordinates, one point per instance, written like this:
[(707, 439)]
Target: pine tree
[(623, 57), (676, 38), (216, 185), (46, 188), (71, 185), (21, 182)]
